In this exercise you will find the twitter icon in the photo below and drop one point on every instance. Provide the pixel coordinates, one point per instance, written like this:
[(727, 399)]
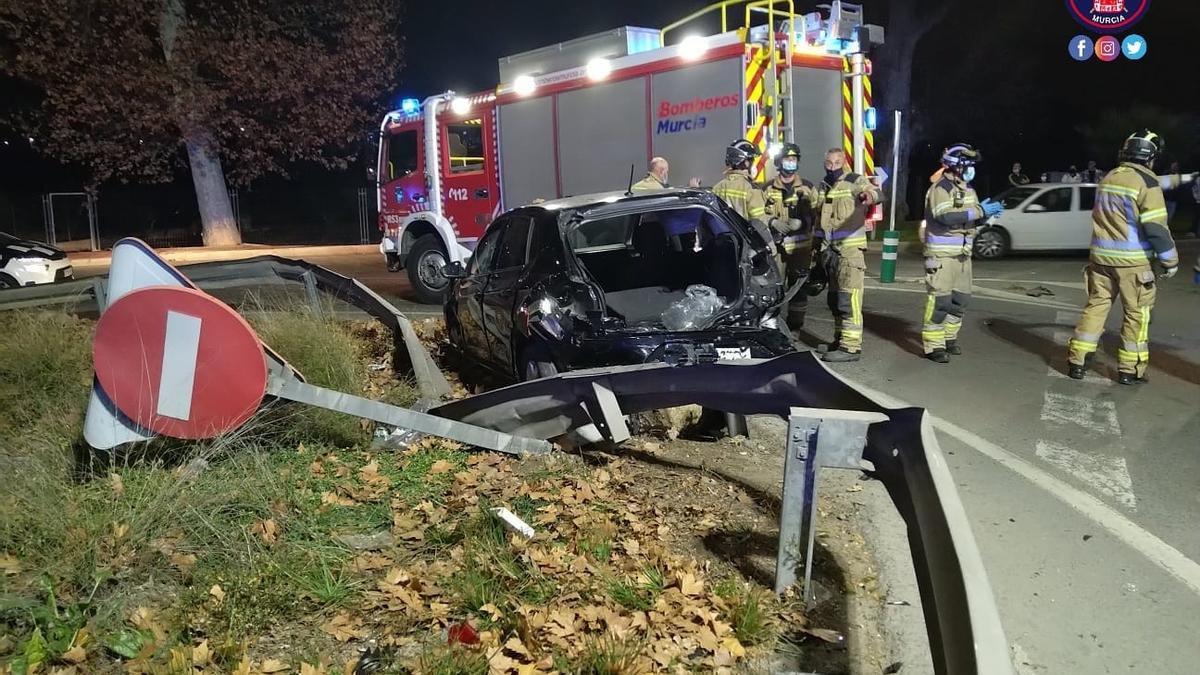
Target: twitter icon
[(1134, 47)]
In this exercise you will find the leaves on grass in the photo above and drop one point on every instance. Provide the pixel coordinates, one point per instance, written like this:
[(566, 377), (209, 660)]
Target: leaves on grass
[(344, 628), (9, 564), (267, 530)]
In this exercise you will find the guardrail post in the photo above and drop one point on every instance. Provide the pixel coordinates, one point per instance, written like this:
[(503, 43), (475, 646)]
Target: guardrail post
[(816, 438)]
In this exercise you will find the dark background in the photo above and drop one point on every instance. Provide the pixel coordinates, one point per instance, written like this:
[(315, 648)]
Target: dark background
[(993, 73)]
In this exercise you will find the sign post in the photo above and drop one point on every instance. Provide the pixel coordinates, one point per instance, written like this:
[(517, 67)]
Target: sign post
[(891, 238)]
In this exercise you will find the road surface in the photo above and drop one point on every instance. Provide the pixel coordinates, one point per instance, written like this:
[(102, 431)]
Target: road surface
[(1083, 496)]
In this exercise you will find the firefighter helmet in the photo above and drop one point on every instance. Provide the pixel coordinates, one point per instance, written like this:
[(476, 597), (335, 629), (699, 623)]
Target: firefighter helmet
[(960, 156), (789, 150), (1142, 147), (739, 153)]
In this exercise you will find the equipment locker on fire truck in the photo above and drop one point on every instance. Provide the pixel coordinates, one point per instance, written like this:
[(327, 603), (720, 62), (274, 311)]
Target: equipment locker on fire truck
[(572, 118)]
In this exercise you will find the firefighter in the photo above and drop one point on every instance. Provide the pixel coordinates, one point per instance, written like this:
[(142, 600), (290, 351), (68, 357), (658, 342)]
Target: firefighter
[(739, 192), (952, 212), (656, 177), (791, 202), (1129, 232), (843, 200)]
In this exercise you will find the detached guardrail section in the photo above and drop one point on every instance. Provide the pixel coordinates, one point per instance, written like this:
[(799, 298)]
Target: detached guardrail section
[(962, 619)]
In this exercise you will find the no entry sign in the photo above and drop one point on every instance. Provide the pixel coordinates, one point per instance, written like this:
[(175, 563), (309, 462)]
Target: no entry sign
[(179, 362)]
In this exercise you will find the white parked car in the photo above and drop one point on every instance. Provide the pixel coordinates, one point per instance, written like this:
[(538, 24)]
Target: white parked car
[(1039, 217), (29, 263)]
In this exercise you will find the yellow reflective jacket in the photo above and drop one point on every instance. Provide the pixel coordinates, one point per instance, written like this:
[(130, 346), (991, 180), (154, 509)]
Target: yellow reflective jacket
[(843, 213), (736, 190), (952, 212), (650, 182), (791, 210), (1129, 220)]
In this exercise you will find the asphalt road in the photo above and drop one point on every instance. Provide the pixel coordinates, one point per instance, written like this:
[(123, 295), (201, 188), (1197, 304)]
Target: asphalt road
[(1083, 495)]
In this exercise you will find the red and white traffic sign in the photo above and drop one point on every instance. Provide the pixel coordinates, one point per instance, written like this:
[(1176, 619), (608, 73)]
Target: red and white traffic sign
[(179, 362)]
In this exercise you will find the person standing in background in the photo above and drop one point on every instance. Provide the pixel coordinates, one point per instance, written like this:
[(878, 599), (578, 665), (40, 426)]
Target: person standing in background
[(1017, 178), (1092, 174), (1172, 194), (1072, 175)]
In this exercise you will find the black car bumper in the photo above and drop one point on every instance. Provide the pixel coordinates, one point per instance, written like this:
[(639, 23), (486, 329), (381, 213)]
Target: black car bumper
[(617, 348)]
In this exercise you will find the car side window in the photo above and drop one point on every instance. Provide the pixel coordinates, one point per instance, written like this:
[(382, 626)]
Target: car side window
[(1087, 198), (515, 244), (485, 252), (1054, 200)]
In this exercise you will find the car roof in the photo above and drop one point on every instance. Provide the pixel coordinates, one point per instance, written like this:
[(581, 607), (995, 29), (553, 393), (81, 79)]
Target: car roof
[(576, 202)]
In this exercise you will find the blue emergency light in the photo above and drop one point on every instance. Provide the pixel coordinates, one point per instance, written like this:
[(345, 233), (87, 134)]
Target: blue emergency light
[(410, 106), (870, 119)]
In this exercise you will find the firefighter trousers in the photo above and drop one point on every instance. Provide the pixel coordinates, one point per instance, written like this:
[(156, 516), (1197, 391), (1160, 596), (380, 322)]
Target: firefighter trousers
[(1135, 287), (797, 263), (948, 292), (847, 271)]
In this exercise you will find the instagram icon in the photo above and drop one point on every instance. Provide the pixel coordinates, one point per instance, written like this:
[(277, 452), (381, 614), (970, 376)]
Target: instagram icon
[(1108, 48)]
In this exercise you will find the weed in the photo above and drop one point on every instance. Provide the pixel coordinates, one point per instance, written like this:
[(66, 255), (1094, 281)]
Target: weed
[(453, 661), (629, 596), (609, 655), (747, 610), (599, 548)]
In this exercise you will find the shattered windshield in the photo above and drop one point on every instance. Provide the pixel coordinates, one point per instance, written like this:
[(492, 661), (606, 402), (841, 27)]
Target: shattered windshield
[(617, 231)]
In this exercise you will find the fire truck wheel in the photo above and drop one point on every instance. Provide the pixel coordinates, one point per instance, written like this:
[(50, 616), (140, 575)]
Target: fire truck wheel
[(425, 262)]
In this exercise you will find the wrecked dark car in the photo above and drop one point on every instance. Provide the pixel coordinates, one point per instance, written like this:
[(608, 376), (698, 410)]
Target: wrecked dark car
[(611, 279)]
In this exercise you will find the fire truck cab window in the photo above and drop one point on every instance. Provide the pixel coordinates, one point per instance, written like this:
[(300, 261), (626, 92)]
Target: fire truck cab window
[(464, 140), (402, 154)]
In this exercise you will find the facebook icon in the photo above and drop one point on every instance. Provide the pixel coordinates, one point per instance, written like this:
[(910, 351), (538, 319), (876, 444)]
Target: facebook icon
[(1081, 48)]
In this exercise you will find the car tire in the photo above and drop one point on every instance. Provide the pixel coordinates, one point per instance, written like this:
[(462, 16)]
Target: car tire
[(425, 262), (536, 363), (992, 243), (8, 282)]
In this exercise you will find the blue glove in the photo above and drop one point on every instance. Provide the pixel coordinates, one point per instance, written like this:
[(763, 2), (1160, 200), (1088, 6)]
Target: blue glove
[(991, 208)]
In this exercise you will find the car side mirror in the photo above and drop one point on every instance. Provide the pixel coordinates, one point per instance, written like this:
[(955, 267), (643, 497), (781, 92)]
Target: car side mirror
[(1035, 208), (454, 270)]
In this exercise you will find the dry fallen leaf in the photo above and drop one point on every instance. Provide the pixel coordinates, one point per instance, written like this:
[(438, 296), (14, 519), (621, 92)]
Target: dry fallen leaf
[(184, 562), (75, 655), (144, 618), (441, 466), (268, 530), (217, 593), (343, 628), (689, 585), (336, 499), (9, 564), (201, 654)]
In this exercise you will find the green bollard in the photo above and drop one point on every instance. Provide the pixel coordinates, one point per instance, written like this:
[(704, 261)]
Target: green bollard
[(891, 249)]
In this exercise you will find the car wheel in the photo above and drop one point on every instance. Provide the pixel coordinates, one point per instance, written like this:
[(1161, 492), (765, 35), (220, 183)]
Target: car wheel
[(425, 263), (536, 363), (992, 243), (8, 282)]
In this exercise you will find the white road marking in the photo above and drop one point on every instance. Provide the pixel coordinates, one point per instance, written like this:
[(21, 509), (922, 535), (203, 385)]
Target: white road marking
[(1157, 551), (1109, 475), (978, 292), (1088, 378), (1091, 414), (178, 375)]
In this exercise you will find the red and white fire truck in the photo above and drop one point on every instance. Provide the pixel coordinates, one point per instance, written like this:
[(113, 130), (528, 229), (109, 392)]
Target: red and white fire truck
[(575, 117)]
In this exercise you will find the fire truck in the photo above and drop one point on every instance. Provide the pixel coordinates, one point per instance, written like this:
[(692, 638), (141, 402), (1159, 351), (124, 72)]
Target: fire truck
[(583, 116)]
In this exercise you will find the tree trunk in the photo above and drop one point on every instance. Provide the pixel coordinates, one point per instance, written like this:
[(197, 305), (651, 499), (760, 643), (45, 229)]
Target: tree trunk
[(216, 213), (906, 26), (204, 158)]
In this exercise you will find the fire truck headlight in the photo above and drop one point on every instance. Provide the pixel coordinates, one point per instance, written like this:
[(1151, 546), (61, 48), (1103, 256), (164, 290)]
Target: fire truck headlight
[(460, 106), (692, 47), (524, 85), (598, 69)]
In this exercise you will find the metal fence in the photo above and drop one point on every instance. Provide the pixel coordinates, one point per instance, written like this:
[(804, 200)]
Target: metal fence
[(333, 211)]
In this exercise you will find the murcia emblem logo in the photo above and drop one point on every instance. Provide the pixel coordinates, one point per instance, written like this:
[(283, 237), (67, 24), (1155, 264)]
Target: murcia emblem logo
[(1108, 16)]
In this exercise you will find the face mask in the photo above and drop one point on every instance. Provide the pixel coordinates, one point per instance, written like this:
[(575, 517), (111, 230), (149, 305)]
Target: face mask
[(789, 166), (831, 175), (969, 174)]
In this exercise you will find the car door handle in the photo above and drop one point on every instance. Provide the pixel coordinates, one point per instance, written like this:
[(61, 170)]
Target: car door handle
[(481, 193)]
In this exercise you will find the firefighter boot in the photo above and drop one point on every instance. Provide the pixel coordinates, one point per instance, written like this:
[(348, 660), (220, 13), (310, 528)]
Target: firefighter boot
[(1075, 372), (841, 356), (952, 348), (1131, 378), (938, 356)]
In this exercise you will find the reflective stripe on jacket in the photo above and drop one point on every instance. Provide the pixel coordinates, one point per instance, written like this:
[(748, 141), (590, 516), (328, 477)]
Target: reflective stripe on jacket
[(952, 212), (843, 221), (1129, 220), (736, 190), (791, 210)]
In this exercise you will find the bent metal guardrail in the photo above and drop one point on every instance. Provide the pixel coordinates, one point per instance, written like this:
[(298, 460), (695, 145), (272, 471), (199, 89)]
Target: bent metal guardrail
[(961, 617)]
